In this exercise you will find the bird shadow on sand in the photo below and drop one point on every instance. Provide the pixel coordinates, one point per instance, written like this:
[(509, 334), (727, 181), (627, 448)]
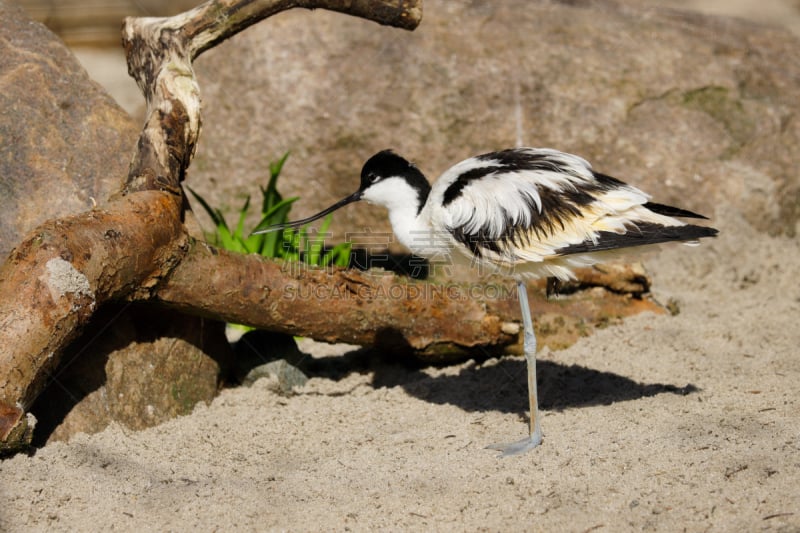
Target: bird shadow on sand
[(487, 384), (501, 384)]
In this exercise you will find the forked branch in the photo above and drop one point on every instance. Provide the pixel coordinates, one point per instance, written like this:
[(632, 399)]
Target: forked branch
[(160, 53), (56, 278)]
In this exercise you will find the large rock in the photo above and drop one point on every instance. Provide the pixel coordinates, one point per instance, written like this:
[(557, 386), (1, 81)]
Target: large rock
[(64, 143), (137, 366), (697, 110)]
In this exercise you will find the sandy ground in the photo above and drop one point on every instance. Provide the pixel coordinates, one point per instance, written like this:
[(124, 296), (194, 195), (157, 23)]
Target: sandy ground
[(665, 423)]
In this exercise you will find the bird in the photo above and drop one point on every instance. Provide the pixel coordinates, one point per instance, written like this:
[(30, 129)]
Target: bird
[(522, 212)]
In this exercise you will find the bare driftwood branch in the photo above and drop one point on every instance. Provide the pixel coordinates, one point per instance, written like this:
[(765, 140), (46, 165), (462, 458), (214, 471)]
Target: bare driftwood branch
[(337, 305), (160, 52), (439, 321), (64, 270), (52, 283)]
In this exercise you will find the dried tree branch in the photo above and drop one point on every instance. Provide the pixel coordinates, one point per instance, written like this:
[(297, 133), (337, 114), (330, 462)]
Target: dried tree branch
[(64, 270), (338, 305), (381, 309), (160, 52), (53, 282)]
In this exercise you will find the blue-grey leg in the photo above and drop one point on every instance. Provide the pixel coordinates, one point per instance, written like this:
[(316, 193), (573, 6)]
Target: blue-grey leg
[(529, 345)]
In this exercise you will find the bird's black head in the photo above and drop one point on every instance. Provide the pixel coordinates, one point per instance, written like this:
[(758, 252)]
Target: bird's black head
[(387, 164), (382, 166)]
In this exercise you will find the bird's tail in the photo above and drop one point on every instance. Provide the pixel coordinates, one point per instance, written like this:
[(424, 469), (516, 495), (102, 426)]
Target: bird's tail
[(670, 211), (640, 234)]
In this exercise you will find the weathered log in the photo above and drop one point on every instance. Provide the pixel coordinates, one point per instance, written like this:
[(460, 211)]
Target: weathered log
[(52, 283), (62, 271), (438, 321), (338, 305)]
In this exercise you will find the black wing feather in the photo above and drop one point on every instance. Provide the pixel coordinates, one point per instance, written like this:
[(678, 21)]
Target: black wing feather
[(640, 234), (671, 211)]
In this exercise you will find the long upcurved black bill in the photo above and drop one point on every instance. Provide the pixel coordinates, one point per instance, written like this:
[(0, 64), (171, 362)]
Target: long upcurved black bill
[(356, 196)]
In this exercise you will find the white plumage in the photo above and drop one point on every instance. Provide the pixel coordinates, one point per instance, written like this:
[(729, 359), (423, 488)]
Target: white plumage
[(534, 204), (523, 212)]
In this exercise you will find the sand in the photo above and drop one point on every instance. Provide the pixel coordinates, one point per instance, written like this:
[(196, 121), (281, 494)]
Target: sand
[(664, 423)]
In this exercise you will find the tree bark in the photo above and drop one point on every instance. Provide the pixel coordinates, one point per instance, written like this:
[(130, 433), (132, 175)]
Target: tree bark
[(438, 321), (339, 305), (53, 281)]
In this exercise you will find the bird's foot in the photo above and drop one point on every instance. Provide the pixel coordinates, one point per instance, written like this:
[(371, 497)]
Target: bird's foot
[(516, 448)]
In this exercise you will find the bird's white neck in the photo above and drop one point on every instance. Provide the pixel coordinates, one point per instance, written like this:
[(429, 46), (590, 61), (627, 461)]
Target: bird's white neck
[(412, 230), (409, 221)]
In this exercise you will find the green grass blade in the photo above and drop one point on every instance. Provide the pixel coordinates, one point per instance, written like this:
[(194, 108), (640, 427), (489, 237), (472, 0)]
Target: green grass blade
[(221, 221), (239, 233), (339, 255), (269, 198), (316, 243), (227, 241), (207, 208), (278, 214), (254, 243), (288, 248), (270, 194), (276, 167)]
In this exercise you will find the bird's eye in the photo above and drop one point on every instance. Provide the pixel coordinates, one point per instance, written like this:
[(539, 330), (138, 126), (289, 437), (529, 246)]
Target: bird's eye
[(373, 178)]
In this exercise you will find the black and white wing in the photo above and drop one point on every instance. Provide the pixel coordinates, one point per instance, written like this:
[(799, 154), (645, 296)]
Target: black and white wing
[(542, 212)]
